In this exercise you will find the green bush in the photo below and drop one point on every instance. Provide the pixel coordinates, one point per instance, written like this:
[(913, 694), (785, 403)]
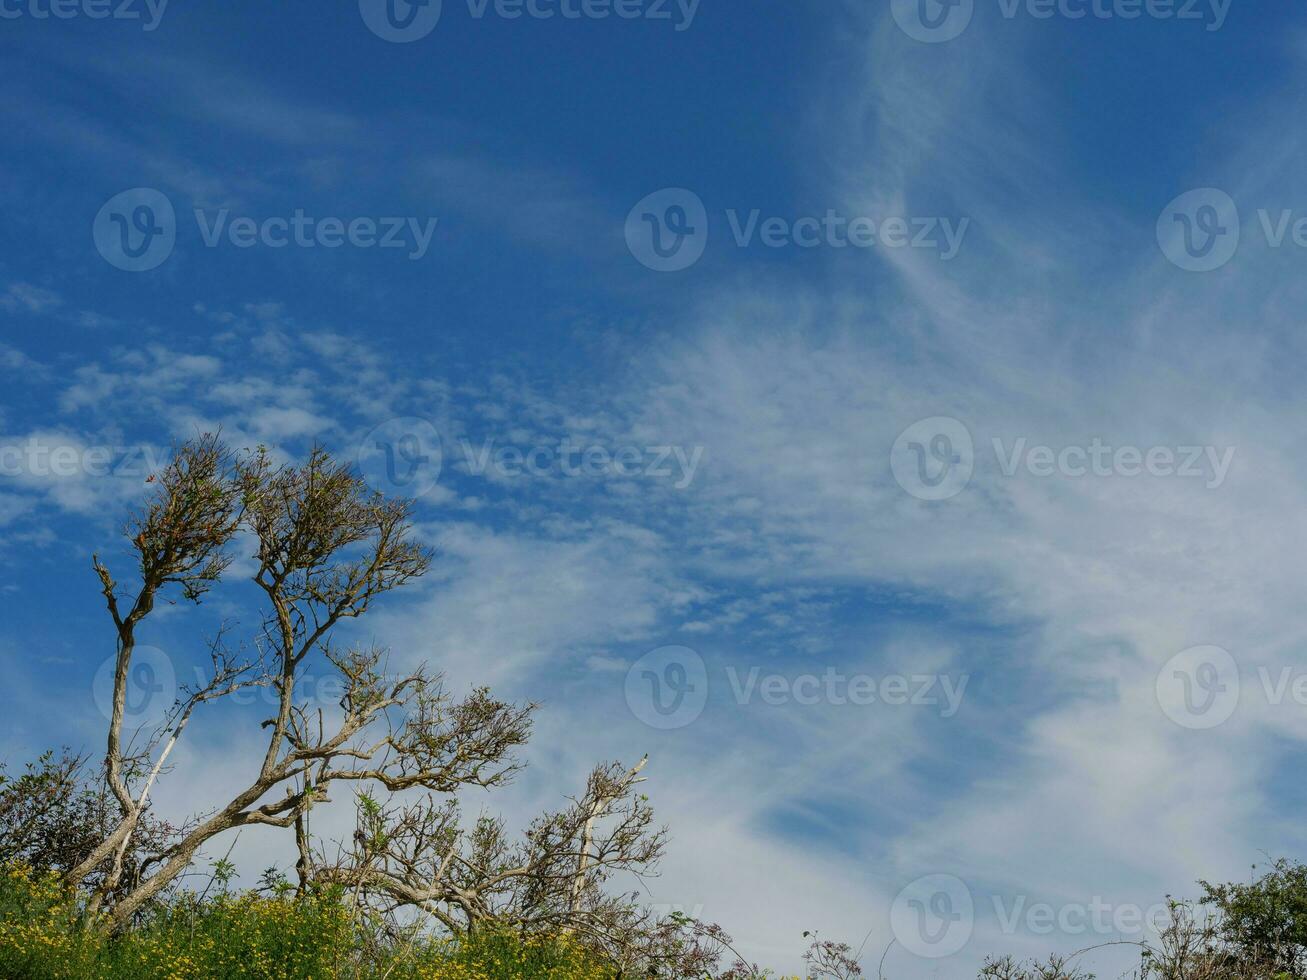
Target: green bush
[(247, 936)]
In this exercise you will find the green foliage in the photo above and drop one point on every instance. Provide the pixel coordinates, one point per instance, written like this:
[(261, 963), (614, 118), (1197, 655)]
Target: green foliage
[(53, 814), (1265, 921), (248, 936), (49, 819), (223, 873)]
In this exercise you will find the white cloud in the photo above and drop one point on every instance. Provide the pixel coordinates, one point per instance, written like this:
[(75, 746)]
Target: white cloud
[(28, 298)]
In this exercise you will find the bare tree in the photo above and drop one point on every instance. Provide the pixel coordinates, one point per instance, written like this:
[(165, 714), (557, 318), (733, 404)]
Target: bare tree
[(1053, 968), (829, 960), (418, 855), (179, 539), (1189, 947), (326, 548)]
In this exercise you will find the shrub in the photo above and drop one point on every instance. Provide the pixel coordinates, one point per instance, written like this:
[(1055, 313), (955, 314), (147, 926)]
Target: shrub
[(44, 935)]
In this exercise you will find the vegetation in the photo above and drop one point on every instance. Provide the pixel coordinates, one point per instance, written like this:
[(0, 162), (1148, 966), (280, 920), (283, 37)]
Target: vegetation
[(400, 746), (1250, 931), (93, 882), (1233, 932), (44, 936)]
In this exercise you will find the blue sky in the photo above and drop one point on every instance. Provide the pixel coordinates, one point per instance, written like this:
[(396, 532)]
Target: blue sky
[(753, 494)]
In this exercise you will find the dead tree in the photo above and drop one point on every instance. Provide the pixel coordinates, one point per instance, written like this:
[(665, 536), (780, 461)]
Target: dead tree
[(326, 548), (418, 855)]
